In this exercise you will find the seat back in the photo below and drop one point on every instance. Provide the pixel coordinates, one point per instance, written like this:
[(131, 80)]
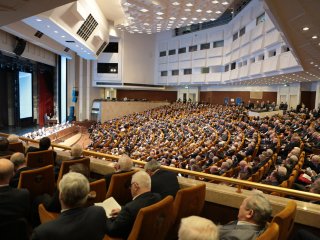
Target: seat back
[(16, 147), (154, 221), (14, 229), (188, 201), (40, 158), (97, 192), (285, 219), (45, 215), (65, 165), (119, 187), (271, 233), (38, 181)]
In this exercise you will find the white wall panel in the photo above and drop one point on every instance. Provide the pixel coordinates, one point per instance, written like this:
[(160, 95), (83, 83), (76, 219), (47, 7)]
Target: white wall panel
[(255, 68), (214, 61), (173, 66), (214, 52), (173, 58), (162, 59), (199, 63), (271, 38), (199, 54), (185, 64), (270, 64), (234, 74), (185, 57), (184, 79), (243, 71), (257, 31), (213, 77), (162, 67), (214, 35), (198, 78), (257, 44)]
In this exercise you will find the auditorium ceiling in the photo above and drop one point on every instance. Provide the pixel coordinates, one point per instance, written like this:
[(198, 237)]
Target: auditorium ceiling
[(297, 20)]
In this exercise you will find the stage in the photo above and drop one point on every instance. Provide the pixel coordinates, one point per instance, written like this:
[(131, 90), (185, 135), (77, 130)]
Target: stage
[(263, 114)]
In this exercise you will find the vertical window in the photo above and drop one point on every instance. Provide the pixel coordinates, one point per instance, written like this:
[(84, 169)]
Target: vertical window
[(193, 48), (218, 44), (204, 46), (235, 36), (187, 71), (205, 70), (226, 68), (233, 66), (242, 31), (182, 50), (175, 72)]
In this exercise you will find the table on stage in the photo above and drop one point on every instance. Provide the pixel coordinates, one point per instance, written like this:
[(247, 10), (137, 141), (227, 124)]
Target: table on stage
[(263, 114)]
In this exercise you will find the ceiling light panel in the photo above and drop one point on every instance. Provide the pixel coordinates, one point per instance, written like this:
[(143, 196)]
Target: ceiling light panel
[(150, 13)]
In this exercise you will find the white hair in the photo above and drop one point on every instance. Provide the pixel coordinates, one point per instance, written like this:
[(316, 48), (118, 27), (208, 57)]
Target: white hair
[(197, 228), (143, 179)]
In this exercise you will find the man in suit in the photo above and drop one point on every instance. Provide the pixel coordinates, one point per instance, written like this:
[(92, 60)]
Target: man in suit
[(253, 215), (162, 181), (19, 161), (124, 164), (74, 222), (122, 222), (44, 144), (14, 203)]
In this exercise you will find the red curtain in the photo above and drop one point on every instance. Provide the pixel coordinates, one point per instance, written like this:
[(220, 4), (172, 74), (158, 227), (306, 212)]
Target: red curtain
[(45, 95)]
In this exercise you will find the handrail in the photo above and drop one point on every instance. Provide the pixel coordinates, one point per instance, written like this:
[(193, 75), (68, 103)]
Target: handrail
[(239, 183)]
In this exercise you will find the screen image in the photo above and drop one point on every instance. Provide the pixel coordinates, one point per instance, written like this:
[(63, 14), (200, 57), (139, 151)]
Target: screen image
[(25, 94)]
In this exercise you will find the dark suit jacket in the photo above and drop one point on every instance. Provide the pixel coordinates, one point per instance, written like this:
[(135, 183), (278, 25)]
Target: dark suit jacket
[(74, 224), (165, 183), (121, 225), (14, 203), (232, 231)]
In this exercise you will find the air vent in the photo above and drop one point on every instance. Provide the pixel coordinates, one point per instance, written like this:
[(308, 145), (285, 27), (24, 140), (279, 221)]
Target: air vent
[(66, 49), (104, 44), (87, 27), (70, 41), (106, 83), (38, 34)]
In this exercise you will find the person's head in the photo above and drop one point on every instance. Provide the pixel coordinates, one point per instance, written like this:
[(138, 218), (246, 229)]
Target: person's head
[(80, 168), (197, 228), (255, 209), (18, 159), (76, 150), (315, 159), (12, 138), (315, 187), (4, 144), (44, 143), (152, 166), (6, 171), (74, 189), (140, 183), (125, 163)]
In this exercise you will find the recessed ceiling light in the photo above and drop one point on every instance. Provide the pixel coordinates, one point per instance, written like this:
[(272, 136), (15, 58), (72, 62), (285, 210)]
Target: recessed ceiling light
[(225, 3), (126, 4), (184, 18), (215, 2), (144, 10), (172, 18), (146, 24), (55, 31), (209, 11), (159, 13), (194, 18), (175, 3), (38, 20), (314, 37), (63, 36), (218, 12), (305, 29), (187, 9), (159, 18), (198, 10), (189, 4)]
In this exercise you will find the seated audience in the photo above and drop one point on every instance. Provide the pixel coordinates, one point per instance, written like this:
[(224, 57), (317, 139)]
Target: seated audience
[(162, 181), (14, 203), (121, 224), (4, 144), (44, 144), (19, 161), (74, 222), (197, 228), (253, 215), (123, 165)]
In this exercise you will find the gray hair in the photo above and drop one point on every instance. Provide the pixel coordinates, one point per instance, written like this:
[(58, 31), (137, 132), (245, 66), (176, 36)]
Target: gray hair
[(76, 150), (197, 228), (152, 165), (13, 138), (17, 159), (142, 179), (125, 163), (261, 208), (74, 189)]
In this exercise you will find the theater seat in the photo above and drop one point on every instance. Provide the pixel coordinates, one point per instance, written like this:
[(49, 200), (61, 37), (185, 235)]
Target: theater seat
[(16, 147), (285, 219), (14, 229), (38, 181), (119, 187), (40, 158), (97, 192), (65, 165), (45, 215), (271, 233), (188, 201)]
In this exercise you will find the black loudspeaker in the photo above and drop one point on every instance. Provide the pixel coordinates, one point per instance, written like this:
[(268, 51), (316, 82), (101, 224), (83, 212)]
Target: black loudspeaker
[(21, 45)]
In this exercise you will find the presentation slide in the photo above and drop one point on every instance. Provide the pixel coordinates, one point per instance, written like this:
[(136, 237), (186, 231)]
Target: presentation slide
[(25, 94)]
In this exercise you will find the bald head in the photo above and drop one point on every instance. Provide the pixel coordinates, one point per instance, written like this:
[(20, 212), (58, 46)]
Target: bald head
[(6, 171)]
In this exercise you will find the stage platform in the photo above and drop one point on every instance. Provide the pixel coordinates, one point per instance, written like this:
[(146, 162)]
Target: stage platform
[(263, 114)]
